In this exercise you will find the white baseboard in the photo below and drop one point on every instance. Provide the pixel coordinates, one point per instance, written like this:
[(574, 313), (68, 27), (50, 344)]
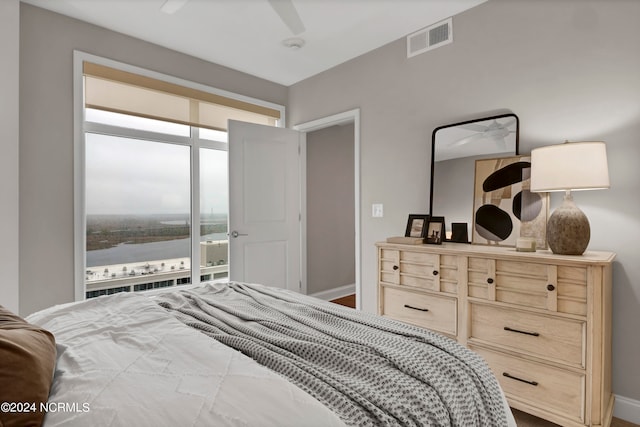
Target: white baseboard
[(627, 409), (334, 293)]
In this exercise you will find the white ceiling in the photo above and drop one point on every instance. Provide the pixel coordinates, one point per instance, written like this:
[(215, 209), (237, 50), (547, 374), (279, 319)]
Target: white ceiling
[(247, 35)]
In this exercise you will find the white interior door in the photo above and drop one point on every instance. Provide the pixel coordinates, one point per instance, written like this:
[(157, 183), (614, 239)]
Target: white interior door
[(264, 205)]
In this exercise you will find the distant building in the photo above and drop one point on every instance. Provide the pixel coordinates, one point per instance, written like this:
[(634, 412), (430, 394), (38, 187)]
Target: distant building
[(142, 276)]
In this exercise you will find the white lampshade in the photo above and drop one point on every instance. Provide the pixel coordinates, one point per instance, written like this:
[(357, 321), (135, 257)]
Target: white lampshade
[(569, 166)]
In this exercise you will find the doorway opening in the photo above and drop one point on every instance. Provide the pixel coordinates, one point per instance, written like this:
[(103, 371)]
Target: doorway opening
[(321, 257)]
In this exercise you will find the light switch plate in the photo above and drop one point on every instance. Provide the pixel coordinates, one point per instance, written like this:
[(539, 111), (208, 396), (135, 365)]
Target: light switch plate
[(377, 210)]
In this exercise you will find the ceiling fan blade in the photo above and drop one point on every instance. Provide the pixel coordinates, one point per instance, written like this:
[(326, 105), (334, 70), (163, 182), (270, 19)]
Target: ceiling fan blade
[(475, 127), (466, 140), (289, 15), (172, 6), (509, 123)]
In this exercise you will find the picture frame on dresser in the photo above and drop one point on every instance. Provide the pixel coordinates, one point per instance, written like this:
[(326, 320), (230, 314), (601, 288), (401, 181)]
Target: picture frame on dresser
[(459, 232), (417, 225), (435, 232)]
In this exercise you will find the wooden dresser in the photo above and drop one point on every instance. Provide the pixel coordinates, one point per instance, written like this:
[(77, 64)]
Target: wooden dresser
[(541, 321)]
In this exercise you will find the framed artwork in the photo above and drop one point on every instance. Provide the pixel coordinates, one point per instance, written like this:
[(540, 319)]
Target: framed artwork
[(435, 231), (504, 208), (416, 225)]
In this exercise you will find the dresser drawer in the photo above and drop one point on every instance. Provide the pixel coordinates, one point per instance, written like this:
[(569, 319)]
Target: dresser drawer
[(546, 387), (389, 265), (419, 269), (553, 338), (419, 258), (547, 286), (433, 312)]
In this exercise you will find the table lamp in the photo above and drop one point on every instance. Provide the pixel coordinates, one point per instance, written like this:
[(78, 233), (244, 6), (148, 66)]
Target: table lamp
[(569, 167)]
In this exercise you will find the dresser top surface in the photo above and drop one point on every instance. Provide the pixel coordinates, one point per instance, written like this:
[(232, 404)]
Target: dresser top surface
[(589, 257)]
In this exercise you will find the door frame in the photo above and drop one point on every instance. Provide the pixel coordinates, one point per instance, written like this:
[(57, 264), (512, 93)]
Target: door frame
[(346, 117)]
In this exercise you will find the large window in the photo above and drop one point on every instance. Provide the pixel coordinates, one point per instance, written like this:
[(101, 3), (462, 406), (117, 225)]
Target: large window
[(155, 179)]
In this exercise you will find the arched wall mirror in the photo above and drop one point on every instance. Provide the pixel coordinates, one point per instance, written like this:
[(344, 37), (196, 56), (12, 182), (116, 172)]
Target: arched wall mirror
[(454, 150)]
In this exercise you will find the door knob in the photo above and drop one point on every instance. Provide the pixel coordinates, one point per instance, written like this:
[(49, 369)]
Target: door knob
[(234, 234)]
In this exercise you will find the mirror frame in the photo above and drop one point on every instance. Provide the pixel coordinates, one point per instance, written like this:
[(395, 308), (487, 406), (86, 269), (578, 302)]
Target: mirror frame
[(481, 119)]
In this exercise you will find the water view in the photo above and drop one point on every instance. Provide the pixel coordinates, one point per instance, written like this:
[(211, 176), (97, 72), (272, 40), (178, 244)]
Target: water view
[(120, 239)]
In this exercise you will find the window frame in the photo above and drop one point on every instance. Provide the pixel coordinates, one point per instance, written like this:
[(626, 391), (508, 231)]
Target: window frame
[(193, 141)]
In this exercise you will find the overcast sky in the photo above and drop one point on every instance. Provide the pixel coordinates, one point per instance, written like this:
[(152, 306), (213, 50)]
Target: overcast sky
[(125, 176)]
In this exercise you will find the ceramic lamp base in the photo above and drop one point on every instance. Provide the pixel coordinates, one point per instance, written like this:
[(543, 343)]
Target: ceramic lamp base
[(568, 230)]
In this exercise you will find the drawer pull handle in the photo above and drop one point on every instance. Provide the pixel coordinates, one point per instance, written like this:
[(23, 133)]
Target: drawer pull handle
[(533, 383), (395, 267), (533, 334), (435, 272), (489, 280), (415, 308), (550, 287)]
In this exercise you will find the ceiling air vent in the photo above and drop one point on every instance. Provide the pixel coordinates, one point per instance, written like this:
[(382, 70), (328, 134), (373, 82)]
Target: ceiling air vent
[(430, 38)]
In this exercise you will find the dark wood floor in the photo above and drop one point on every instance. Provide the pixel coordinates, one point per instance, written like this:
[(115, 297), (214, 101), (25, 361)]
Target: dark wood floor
[(523, 419), (349, 301)]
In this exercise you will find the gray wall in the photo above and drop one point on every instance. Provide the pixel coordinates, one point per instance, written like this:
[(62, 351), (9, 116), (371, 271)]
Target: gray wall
[(47, 41), (9, 197), (330, 209), (569, 69)]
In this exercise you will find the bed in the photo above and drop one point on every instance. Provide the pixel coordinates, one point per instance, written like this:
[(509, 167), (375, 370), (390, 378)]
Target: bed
[(237, 354)]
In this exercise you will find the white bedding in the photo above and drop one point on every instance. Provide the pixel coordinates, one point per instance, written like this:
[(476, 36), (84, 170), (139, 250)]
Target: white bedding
[(122, 361)]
